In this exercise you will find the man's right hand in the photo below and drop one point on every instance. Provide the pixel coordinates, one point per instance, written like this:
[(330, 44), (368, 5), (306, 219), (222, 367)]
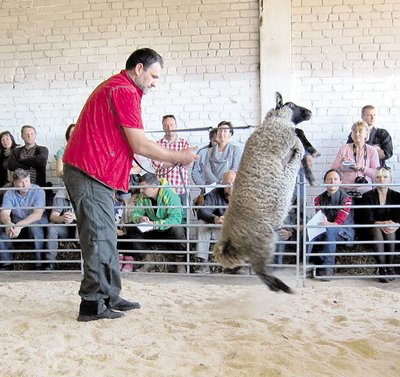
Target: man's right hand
[(186, 156)]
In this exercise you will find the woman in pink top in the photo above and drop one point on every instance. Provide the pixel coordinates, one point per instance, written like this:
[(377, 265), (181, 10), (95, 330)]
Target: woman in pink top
[(357, 160)]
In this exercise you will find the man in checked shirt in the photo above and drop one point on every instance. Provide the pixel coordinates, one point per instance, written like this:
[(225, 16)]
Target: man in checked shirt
[(166, 169)]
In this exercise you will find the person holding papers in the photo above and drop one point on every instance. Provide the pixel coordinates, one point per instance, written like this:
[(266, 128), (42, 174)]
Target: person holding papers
[(159, 217), (211, 217), (333, 196)]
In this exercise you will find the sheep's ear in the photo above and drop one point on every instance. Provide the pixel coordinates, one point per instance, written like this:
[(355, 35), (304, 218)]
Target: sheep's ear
[(279, 101)]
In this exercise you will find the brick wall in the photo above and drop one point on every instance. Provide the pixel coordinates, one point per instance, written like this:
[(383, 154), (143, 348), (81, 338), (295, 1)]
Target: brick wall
[(54, 52), (346, 54)]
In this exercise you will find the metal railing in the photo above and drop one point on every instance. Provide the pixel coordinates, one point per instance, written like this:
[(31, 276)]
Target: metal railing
[(353, 259)]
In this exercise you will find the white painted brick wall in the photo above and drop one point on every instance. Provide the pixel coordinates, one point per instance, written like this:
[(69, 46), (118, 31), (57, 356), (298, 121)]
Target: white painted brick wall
[(359, 42), (345, 54), (53, 54)]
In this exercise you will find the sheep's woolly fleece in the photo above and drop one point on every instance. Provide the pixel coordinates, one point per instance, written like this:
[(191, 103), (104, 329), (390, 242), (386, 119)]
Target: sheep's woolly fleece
[(262, 192)]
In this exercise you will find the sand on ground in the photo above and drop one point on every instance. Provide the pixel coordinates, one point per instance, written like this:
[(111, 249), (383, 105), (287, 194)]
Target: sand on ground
[(202, 327)]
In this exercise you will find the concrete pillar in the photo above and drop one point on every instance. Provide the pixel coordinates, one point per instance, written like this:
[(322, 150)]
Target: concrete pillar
[(275, 52)]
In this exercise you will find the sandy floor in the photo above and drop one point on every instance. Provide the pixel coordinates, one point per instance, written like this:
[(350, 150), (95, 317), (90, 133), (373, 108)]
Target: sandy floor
[(202, 327)]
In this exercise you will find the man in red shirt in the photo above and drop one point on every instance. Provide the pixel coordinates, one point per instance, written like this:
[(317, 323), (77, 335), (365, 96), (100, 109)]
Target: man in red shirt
[(97, 161)]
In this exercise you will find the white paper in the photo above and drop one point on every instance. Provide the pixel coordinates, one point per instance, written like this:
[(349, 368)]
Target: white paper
[(315, 220), (210, 187), (145, 227)]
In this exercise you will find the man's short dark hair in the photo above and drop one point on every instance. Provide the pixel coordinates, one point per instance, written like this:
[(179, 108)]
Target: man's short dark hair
[(23, 128), (20, 174), (150, 179), (168, 116), (145, 56), (365, 108)]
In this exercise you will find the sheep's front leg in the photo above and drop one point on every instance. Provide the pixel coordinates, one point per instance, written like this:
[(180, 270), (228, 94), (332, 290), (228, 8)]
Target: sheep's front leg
[(296, 152)]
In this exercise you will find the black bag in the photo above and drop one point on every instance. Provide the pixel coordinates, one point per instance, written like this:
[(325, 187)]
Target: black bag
[(361, 180)]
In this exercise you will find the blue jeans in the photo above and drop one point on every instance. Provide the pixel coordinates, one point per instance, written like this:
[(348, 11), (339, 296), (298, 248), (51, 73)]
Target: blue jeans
[(54, 232), (331, 235), (34, 232)]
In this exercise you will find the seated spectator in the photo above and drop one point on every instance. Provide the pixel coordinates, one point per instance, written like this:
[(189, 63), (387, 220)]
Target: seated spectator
[(30, 157), (135, 175), (61, 215), (379, 138), (174, 174), (218, 159), (357, 161), (219, 197), (382, 195), (197, 175), (60, 153), (21, 209), (289, 233), (7, 145), (333, 196), (124, 203), (163, 219)]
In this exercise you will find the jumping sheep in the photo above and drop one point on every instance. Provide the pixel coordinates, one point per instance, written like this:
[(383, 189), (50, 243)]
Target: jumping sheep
[(262, 193)]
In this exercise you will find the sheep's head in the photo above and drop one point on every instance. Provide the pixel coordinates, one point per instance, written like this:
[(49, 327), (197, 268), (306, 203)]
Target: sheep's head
[(298, 113)]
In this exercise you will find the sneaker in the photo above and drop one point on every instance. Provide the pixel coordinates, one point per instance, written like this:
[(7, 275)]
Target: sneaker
[(124, 305), (147, 268), (50, 267), (203, 270), (328, 275), (181, 269), (107, 314), (7, 267)]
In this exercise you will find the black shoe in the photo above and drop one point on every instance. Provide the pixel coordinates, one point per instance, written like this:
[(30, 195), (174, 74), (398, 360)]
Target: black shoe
[(107, 314), (123, 305), (7, 267), (390, 271), (382, 271), (50, 267), (328, 275)]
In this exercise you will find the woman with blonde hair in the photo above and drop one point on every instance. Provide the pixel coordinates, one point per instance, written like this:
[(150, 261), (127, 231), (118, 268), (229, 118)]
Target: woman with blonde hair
[(387, 219), (357, 161)]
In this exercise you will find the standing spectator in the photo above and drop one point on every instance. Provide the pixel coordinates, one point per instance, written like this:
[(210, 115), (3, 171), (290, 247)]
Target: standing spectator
[(333, 196), (382, 195), (21, 209), (169, 170), (215, 204), (97, 161), (7, 145), (218, 159), (61, 216), (357, 161), (31, 157), (379, 138), (60, 153)]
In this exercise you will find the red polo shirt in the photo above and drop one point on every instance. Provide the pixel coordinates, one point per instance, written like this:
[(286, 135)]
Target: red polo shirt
[(98, 145)]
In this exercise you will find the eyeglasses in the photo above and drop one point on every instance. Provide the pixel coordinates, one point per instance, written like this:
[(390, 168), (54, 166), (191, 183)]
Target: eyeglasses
[(384, 167)]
